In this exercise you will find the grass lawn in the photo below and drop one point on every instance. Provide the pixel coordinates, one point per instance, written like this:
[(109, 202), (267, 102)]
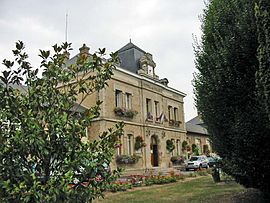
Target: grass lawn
[(201, 189)]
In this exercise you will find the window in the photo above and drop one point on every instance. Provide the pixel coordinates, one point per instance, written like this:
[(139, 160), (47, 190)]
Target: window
[(118, 98), (157, 110), (129, 144), (170, 113), (149, 109), (128, 101), (175, 111)]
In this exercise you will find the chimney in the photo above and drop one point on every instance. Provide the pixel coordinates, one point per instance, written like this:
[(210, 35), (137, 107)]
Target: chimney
[(84, 50)]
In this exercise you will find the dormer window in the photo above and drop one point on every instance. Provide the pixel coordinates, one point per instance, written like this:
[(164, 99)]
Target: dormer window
[(147, 66)]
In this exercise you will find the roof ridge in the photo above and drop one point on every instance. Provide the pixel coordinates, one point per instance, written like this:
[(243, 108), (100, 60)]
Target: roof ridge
[(130, 45)]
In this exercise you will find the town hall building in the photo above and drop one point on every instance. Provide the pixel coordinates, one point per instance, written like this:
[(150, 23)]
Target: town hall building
[(151, 110)]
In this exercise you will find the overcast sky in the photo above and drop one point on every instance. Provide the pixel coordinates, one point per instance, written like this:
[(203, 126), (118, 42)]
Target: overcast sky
[(164, 28)]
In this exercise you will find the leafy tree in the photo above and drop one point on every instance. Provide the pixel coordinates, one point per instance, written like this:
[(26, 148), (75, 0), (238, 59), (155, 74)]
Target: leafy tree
[(226, 90), (43, 157), (263, 74)]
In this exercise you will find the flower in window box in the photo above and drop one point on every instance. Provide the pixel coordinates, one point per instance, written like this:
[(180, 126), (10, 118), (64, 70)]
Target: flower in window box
[(119, 111), (130, 113), (125, 112)]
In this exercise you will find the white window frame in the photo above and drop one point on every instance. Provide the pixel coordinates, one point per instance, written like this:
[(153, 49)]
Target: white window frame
[(128, 98), (118, 98)]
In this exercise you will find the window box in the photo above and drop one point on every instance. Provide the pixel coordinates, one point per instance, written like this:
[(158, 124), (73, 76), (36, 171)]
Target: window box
[(127, 159), (128, 113)]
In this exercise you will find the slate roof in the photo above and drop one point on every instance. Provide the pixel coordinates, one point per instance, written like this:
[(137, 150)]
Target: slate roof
[(130, 45), (129, 56), (196, 125)]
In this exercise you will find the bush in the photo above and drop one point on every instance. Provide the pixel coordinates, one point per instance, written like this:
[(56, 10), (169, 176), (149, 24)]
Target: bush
[(177, 159), (41, 150)]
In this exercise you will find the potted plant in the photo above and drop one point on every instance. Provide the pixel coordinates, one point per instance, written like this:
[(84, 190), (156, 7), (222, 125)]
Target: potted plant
[(195, 149), (170, 145), (139, 143), (184, 145)]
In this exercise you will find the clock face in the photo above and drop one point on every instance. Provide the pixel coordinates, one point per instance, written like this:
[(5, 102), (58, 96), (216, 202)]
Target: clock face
[(150, 70)]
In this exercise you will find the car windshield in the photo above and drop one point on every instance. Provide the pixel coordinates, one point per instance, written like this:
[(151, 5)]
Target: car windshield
[(194, 158)]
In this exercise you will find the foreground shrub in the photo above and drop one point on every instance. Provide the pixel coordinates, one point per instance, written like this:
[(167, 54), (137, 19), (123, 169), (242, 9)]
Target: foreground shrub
[(43, 156)]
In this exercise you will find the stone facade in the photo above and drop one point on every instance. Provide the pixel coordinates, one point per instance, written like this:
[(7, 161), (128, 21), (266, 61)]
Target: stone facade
[(149, 108)]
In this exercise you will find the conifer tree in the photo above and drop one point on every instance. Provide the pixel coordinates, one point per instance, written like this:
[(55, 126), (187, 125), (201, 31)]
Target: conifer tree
[(226, 88)]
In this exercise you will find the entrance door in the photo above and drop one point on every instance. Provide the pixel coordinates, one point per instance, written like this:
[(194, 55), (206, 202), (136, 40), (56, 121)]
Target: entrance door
[(154, 151)]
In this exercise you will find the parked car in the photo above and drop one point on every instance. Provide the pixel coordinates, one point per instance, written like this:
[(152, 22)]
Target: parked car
[(197, 162), (213, 161)]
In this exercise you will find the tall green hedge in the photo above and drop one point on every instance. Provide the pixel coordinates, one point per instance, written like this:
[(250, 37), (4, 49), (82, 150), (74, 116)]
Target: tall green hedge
[(228, 88)]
